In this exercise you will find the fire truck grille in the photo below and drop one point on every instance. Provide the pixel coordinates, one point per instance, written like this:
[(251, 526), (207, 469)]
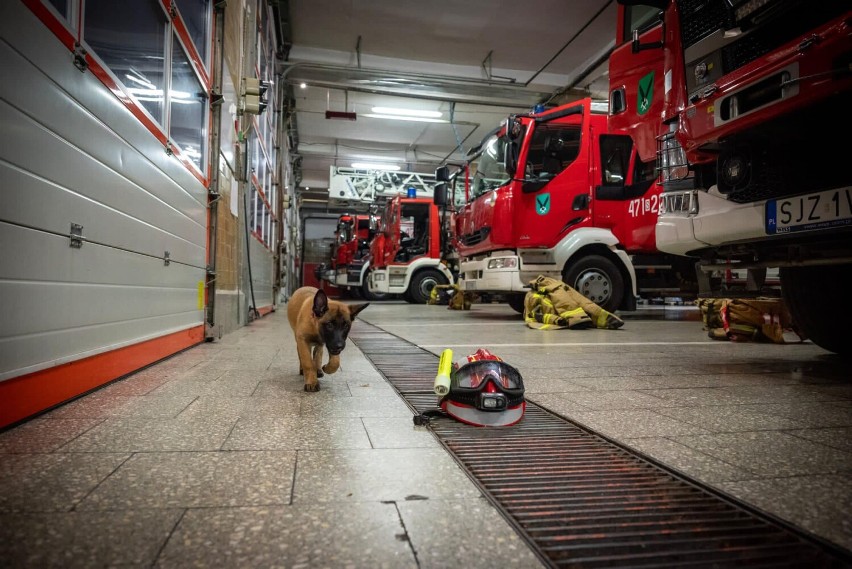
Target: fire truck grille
[(775, 23), (476, 237), (581, 501)]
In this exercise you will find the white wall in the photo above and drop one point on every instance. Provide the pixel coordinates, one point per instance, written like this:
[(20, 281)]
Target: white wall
[(73, 153)]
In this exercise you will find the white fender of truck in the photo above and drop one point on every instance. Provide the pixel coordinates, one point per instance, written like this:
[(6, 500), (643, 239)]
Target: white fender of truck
[(364, 272), (427, 263), (585, 236)]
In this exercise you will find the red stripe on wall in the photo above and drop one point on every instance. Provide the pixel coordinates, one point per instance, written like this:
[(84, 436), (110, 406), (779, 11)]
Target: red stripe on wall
[(264, 310), (24, 396)]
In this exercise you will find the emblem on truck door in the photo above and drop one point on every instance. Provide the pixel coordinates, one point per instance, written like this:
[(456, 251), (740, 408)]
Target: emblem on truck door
[(542, 204), (646, 93)]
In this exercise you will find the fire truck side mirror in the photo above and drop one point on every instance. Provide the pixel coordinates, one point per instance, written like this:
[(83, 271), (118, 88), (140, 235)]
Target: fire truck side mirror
[(510, 160), (439, 196), (513, 128), (442, 174)]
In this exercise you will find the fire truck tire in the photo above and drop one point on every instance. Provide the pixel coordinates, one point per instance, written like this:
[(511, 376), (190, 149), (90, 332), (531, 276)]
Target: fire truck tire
[(367, 295), (598, 279), (421, 285), (818, 300), (516, 301)]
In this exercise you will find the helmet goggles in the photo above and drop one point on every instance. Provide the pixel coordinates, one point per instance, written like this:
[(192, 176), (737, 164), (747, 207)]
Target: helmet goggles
[(487, 385)]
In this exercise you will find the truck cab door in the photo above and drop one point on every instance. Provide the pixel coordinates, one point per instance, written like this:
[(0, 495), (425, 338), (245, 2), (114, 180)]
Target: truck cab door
[(627, 197), (556, 183)]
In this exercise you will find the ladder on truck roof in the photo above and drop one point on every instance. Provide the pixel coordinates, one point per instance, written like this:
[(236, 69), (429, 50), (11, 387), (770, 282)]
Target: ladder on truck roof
[(358, 189)]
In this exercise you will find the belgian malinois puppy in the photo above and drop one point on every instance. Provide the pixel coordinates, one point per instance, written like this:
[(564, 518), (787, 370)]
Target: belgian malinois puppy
[(316, 322)]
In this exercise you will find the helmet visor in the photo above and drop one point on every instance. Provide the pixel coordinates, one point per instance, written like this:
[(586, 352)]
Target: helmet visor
[(475, 374)]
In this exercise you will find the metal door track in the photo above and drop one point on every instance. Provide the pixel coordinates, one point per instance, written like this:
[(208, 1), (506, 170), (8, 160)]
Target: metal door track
[(582, 501)]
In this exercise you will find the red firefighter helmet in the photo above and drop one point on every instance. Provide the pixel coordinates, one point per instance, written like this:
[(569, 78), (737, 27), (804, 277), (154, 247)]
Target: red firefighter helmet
[(485, 391)]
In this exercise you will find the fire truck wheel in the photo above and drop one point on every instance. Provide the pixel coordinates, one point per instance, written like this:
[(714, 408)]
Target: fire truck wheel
[(516, 301), (598, 279), (818, 300), (422, 284)]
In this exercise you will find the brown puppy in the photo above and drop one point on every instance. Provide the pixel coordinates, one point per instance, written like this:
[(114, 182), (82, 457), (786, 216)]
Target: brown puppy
[(316, 322)]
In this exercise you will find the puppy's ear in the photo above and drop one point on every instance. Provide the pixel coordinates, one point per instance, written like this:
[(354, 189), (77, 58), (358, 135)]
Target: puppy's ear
[(354, 309), (320, 304)]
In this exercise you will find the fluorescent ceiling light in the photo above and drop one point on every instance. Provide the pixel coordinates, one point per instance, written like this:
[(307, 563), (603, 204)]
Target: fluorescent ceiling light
[(406, 112), (402, 118), (374, 166)]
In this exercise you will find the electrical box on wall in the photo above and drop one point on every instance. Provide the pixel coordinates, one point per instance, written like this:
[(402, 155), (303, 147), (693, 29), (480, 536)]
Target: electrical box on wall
[(253, 99)]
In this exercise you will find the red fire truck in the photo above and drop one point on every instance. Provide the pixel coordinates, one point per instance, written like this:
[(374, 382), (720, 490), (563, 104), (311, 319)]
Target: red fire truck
[(560, 194), (349, 254), (747, 147), (407, 255)]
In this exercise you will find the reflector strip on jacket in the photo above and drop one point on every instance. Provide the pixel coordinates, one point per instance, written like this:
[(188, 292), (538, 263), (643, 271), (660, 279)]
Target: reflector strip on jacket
[(540, 313), (473, 416)]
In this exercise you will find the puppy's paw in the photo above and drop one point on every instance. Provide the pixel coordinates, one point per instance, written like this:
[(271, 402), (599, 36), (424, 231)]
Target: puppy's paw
[(320, 373), (330, 368), (312, 386)]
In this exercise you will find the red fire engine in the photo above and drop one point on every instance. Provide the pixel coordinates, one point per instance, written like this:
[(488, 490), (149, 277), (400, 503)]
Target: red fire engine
[(560, 194), (752, 96)]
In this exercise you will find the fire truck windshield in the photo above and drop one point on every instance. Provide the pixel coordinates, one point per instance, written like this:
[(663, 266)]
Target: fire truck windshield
[(488, 169)]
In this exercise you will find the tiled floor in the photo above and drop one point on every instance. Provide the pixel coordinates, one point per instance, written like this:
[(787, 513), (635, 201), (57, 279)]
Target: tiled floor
[(217, 457)]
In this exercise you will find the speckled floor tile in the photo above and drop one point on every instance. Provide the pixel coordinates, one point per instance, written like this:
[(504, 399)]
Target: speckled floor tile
[(535, 384), (682, 381), (189, 387), (838, 437), (611, 400), (295, 432), (51, 482), (634, 423), (44, 434), (85, 539), (728, 418), (378, 474), (367, 534), (398, 432), (771, 453), (450, 533), (296, 386), (818, 504), (142, 434), (688, 461), (370, 388), (812, 414), (197, 479), (616, 383), (390, 406), (100, 405), (232, 408), (556, 403), (140, 384)]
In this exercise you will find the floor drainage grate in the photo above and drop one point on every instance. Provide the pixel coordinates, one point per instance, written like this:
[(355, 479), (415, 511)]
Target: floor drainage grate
[(581, 501)]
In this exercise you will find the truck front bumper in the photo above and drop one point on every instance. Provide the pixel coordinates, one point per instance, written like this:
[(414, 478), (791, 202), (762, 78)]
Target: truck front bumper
[(475, 275), (717, 222)]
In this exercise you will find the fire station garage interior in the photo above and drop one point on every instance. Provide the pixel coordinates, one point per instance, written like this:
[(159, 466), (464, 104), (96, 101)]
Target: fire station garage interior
[(372, 283)]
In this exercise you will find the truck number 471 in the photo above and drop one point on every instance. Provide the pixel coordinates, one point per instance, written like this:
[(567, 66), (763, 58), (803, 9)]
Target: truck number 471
[(641, 206)]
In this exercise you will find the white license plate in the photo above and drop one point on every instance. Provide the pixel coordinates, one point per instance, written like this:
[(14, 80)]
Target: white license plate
[(821, 210)]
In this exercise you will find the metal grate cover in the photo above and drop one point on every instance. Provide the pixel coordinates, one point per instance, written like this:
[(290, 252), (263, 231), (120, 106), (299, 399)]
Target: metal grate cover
[(582, 501)]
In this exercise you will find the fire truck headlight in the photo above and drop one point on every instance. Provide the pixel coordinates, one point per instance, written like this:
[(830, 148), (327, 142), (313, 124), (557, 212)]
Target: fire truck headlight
[(503, 263)]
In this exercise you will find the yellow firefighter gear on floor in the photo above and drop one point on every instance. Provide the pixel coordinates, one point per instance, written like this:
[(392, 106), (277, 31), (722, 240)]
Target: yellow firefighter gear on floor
[(746, 319), (452, 296), (552, 304)]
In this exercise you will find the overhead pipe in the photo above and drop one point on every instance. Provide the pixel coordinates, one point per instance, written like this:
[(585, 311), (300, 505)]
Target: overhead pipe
[(569, 42)]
